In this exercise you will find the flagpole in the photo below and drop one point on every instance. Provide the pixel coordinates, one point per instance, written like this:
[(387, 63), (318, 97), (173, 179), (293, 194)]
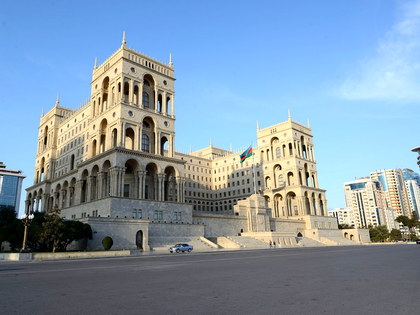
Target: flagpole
[(253, 169)]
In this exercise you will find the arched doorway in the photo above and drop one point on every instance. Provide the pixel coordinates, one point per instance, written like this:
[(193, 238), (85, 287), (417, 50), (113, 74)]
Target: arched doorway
[(139, 240)]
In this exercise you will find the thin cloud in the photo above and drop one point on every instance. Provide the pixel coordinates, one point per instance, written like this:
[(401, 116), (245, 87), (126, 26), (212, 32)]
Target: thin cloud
[(394, 72)]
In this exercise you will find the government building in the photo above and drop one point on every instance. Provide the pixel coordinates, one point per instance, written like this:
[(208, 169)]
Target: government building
[(112, 164)]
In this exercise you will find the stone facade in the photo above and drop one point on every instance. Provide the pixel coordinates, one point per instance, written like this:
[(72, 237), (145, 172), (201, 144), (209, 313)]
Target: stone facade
[(112, 164)]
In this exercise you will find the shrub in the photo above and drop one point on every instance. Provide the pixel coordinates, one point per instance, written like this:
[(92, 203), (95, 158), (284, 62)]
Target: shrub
[(107, 242)]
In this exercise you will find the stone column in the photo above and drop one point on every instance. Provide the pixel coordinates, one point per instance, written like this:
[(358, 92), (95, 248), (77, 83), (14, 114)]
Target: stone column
[(164, 111), (157, 142), (141, 94), (171, 146), (78, 192), (172, 106), (99, 185), (143, 185), (122, 135), (121, 172), (112, 182), (156, 92), (57, 200), (160, 180), (130, 93), (89, 189)]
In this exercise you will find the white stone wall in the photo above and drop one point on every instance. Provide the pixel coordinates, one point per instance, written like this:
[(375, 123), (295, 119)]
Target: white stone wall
[(122, 231), (221, 225)]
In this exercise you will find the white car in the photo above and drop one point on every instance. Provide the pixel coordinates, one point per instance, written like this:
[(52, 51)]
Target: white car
[(181, 248)]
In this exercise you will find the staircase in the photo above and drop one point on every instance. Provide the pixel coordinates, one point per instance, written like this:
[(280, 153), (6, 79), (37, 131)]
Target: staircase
[(247, 242), (308, 242)]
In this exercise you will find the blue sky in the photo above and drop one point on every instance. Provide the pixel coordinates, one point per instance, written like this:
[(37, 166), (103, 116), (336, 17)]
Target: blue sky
[(351, 67)]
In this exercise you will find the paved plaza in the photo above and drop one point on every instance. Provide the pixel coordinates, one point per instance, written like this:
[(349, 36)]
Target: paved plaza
[(376, 279)]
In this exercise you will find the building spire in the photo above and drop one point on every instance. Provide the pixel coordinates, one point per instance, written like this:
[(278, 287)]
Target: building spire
[(231, 150), (289, 116), (57, 101), (42, 114), (96, 63), (170, 60), (258, 125), (124, 41), (211, 142), (309, 123)]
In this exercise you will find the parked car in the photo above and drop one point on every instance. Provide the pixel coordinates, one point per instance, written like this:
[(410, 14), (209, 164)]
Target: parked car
[(181, 248), (418, 241)]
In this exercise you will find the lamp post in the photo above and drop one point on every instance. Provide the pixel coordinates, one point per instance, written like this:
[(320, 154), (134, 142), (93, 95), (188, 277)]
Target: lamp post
[(26, 222)]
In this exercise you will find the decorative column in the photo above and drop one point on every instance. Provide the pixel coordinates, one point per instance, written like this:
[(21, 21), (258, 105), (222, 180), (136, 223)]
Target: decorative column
[(121, 173), (156, 92), (160, 180), (112, 181), (60, 200), (141, 94), (78, 192), (89, 189), (172, 106), (164, 109), (56, 200), (99, 185), (130, 93)]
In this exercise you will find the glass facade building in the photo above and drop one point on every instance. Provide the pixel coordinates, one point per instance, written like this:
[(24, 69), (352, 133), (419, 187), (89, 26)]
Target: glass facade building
[(10, 187)]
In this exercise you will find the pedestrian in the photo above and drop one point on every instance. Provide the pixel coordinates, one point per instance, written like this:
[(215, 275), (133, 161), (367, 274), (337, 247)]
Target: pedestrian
[(271, 245), (274, 243)]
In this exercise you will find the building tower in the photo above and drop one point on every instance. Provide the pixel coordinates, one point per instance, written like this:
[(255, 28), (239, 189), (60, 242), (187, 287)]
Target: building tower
[(10, 188), (120, 143), (392, 182), (289, 179)]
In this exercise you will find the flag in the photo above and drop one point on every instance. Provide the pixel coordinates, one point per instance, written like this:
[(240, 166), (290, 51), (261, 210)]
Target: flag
[(247, 153)]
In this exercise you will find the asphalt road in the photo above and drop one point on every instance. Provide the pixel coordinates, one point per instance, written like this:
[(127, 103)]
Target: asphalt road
[(329, 280)]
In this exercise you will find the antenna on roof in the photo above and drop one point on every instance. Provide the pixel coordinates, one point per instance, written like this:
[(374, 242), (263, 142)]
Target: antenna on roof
[(289, 116), (124, 41), (170, 60), (96, 63)]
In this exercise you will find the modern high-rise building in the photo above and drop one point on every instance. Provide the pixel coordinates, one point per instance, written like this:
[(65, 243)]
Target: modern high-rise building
[(112, 163), (10, 187), (412, 185), (345, 216), (392, 183), (366, 199)]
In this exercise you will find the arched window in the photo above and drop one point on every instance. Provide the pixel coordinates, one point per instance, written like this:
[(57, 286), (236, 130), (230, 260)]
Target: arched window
[(145, 143), (145, 99)]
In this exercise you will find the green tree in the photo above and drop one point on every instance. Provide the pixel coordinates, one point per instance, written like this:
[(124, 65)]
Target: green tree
[(53, 235), (410, 223), (395, 235), (11, 228), (379, 233), (74, 231)]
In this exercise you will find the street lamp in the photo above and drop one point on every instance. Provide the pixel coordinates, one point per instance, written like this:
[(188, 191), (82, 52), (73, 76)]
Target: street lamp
[(26, 222)]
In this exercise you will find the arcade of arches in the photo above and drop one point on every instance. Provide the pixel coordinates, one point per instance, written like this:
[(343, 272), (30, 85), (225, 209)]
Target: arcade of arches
[(129, 181)]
